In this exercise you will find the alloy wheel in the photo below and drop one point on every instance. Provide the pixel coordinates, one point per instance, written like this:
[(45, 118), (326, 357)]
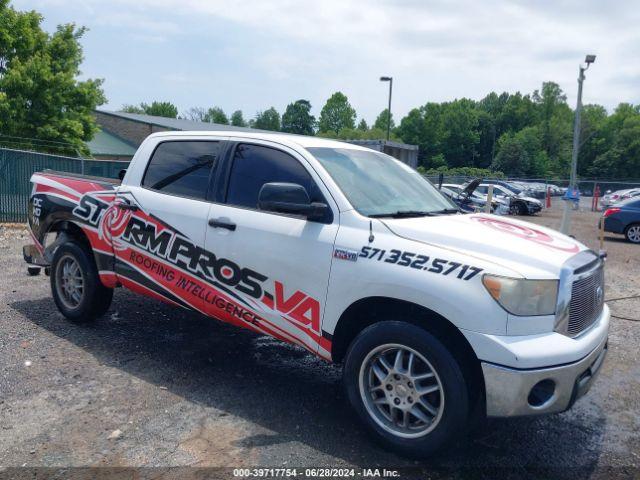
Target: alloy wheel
[(69, 281), (633, 234), (401, 390)]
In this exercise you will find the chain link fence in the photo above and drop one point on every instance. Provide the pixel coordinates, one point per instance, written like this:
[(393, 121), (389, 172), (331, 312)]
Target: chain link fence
[(17, 166)]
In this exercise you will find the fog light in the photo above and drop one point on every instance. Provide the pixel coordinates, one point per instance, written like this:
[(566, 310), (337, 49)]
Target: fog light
[(541, 393)]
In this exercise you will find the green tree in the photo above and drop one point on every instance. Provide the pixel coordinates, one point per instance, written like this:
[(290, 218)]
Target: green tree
[(216, 115), (487, 131), (462, 171), (40, 95), (549, 99), (159, 109), (423, 127), (494, 104), (622, 159), (357, 134), (437, 161), (521, 154), (337, 114), (556, 119), (237, 120), (512, 156), (381, 120), (297, 118), (509, 112), (519, 111), (499, 114), (523, 135), (362, 125), (126, 108), (595, 138), (267, 120), (461, 137)]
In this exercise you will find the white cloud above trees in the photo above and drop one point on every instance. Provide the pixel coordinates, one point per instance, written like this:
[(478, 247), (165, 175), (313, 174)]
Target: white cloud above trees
[(252, 54)]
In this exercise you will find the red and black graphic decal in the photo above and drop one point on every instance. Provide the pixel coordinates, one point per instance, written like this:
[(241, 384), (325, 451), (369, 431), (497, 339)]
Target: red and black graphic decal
[(150, 257)]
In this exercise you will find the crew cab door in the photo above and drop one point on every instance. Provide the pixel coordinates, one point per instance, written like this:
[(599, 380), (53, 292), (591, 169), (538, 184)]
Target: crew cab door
[(275, 266), (160, 222)]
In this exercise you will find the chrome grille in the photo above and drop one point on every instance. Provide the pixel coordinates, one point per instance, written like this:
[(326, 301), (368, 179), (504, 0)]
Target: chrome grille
[(587, 299)]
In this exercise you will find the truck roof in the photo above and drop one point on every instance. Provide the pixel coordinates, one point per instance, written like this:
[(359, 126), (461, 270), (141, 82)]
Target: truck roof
[(283, 138)]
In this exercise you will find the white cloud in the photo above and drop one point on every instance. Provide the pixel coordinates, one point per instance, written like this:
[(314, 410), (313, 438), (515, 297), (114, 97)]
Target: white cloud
[(435, 50), (136, 21)]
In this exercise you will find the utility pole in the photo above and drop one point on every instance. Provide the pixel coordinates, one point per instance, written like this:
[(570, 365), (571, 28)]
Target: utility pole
[(565, 226), (390, 80)]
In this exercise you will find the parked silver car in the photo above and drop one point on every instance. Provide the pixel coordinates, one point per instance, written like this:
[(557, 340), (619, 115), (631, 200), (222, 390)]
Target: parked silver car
[(612, 198), (519, 204)]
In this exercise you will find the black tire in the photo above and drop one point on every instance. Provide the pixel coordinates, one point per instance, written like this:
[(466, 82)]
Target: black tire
[(631, 233), (453, 407), (518, 208), (94, 299), (33, 271)]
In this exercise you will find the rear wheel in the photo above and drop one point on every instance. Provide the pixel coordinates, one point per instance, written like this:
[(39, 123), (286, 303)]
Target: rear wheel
[(633, 233), (75, 284), (406, 387)]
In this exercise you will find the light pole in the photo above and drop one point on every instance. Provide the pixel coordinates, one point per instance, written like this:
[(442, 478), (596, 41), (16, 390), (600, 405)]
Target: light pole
[(390, 80), (566, 213)]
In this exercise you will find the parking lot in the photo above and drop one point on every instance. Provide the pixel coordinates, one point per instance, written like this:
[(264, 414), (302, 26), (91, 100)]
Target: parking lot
[(151, 386)]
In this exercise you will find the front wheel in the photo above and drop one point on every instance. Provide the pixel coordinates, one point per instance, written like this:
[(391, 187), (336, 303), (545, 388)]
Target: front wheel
[(406, 387), (75, 284), (518, 209)]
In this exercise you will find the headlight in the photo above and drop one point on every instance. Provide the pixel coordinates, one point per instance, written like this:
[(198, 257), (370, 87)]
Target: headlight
[(523, 297)]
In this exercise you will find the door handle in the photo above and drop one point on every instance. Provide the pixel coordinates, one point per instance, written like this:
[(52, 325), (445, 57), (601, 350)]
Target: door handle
[(219, 223)]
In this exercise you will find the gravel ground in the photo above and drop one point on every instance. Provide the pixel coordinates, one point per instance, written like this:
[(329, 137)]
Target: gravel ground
[(151, 386)]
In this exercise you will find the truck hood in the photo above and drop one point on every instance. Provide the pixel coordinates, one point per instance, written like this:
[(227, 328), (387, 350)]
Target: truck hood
[(528, 250)]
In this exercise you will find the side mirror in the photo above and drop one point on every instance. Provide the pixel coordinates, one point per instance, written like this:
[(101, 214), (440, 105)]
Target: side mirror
[(122, 173), (289, 198)]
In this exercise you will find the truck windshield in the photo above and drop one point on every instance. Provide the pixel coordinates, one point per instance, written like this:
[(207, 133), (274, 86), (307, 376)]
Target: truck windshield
[(377, 185)]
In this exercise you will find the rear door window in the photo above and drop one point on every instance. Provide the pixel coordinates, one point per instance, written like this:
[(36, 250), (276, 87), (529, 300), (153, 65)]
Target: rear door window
[(182, 168)]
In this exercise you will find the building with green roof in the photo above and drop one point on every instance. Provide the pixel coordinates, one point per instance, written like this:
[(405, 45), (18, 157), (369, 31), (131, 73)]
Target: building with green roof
[(108, 146)]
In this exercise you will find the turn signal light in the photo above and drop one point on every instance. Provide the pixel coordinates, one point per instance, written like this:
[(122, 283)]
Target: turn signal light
[(493, 285), (610, 211)]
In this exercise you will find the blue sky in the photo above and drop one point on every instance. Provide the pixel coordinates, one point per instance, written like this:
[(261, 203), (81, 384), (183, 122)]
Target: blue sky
[(253, 54)]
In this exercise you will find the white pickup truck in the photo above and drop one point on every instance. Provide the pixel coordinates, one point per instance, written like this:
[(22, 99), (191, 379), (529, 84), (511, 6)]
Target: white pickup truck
[(438, 317)]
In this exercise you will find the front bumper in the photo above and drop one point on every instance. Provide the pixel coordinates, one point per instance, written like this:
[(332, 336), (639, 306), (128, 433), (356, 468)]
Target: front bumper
[(534, 208), (509, 390)]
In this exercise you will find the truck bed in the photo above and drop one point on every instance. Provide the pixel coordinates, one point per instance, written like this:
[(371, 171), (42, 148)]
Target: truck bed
[(80, 176)]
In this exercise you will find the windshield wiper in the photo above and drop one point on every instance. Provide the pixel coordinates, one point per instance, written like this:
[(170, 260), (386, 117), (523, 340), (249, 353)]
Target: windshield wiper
[(445, 211), (402, 214)]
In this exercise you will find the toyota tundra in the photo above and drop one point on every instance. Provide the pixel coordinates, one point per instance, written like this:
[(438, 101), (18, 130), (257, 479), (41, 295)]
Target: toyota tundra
[(438, 318)]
